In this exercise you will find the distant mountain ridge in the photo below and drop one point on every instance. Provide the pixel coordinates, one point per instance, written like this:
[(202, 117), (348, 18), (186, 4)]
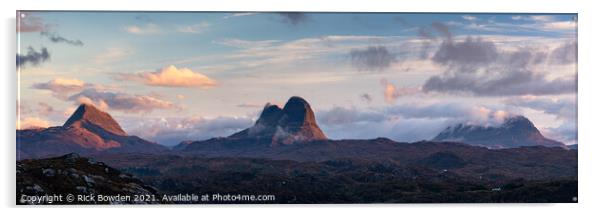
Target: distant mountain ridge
[(88, 130), (516, 131)]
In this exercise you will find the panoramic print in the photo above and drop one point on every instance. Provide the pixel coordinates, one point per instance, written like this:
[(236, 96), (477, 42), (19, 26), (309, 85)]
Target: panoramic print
[(295, 108)]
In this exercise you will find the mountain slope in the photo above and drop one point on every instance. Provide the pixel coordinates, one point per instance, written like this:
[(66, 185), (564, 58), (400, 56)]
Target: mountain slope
[(72, 174), (87, 131), (91, 118), (514, 132)]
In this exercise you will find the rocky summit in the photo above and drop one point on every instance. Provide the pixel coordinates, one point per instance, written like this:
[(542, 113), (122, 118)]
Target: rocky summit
[(294, 123), (90, 117)]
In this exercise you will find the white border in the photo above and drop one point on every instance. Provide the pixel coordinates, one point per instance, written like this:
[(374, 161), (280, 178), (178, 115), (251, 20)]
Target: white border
[(589, 103)]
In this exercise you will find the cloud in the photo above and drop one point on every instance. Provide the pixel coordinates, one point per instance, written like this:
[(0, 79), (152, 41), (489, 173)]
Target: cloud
[(468, 52), (250, 105), (511, 82), (55, 38), (442, 29), (392, 92), (32, 123), (541, 18), (232, 42), (373, 58), (469, 18), (45, 109), (195, 28), (171, 76), (561, 25), (61, 86), (172, 131), (566, 132), (79, 92), (478, 67), (565, 54), (238, 15), (112, 54), (366, 97), (294, 18), (343, 116), (564, 108), (149, 28), (144, 18), (121, 101), (33, 57), (30, 23), (406, 123), (26, 109)]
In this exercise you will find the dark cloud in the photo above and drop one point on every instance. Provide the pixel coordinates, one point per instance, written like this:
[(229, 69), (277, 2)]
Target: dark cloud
[(366, 97), (121, 101), (509, 82), (374, 58), (33, 57), (427, 41), (565, 54), (293, 18), (469, 52), (476, 66), (55, 38)]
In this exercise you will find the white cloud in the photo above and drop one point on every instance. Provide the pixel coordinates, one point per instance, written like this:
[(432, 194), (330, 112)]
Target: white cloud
[(469, 18), (171, 76), (238, 15), (149, 28), (112, 54), (31, 123), (195, 28)]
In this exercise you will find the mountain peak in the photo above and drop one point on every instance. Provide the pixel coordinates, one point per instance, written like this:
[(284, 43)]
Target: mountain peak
[(87, 115), (270, 114), (516, 131), (295, 122), (519, 122)]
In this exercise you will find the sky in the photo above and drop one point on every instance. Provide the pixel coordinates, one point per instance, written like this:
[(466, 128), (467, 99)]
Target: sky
[(174, 76)]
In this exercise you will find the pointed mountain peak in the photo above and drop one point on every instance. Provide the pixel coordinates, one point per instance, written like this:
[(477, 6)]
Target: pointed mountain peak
[(270, 114), (88, 115)]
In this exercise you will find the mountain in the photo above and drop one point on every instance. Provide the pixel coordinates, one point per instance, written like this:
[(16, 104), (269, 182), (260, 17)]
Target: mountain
[(516, 131), (88, 130), (295, 123), (89, 117), (72, 174)]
